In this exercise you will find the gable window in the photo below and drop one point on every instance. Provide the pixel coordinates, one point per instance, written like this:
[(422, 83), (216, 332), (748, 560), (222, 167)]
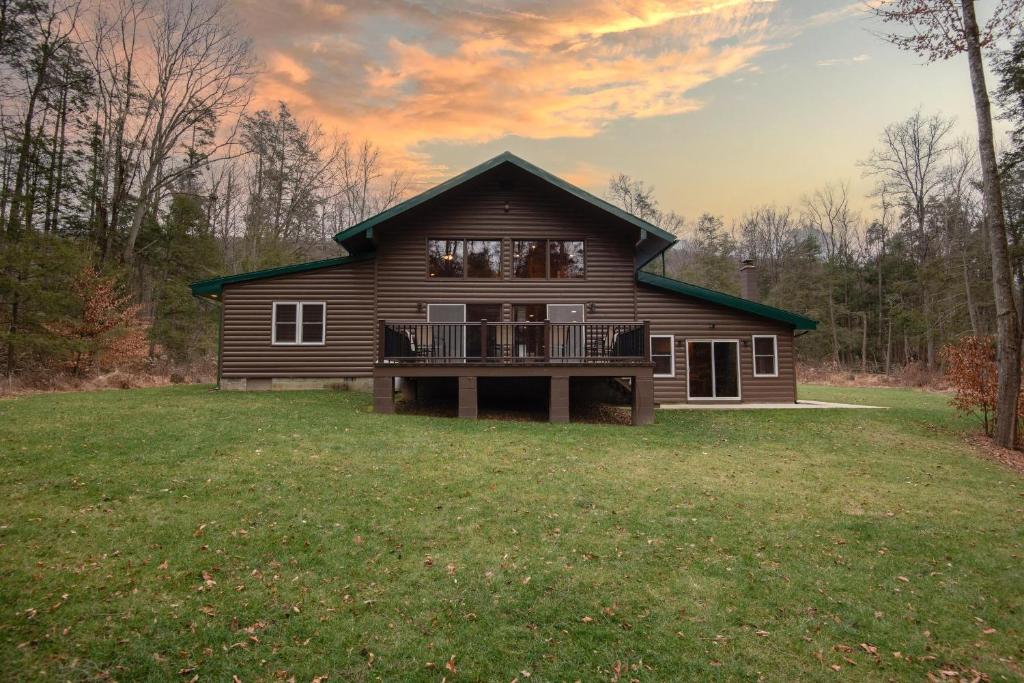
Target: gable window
[(298, 322), (766, 355), (529, 259), (445, 258), (483, 258), (562, 259), (663, 354), (566, 258)]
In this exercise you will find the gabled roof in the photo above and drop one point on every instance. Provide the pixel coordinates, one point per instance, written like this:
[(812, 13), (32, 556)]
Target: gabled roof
[(211, 288), (366, 227), (728, 300)]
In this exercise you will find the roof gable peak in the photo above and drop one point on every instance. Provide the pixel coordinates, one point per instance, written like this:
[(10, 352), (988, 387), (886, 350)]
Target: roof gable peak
[(349, 238)]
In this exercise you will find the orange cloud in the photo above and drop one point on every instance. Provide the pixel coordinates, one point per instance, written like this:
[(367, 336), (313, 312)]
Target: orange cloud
[(404, 75)]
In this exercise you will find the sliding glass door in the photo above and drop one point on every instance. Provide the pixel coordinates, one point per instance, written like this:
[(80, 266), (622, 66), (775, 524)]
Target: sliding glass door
[(713, 369)]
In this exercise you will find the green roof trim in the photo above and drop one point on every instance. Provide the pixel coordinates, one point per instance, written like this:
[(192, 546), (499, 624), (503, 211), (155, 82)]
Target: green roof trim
[(721, 298), (503, 158), (211, 288)]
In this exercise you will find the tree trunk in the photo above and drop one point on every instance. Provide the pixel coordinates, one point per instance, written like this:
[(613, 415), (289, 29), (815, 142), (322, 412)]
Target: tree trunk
[(25, 147), (128, 254), (864, 344), (888, 351), (832, 324), (971, 311), (1007, 322)]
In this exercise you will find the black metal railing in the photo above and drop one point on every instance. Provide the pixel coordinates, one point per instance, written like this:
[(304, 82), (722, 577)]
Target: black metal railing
[(513, 342)]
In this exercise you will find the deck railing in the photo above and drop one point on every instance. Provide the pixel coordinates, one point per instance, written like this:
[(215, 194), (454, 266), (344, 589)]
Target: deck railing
[(418, 342)]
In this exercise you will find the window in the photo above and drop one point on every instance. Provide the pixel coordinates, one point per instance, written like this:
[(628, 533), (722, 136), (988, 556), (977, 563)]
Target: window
[(566, 258), (464, 258), (528, 258), (663, 353), (547, 258), (712, 369), (445, 258), (298, 322), (766, 355), (483, 258)]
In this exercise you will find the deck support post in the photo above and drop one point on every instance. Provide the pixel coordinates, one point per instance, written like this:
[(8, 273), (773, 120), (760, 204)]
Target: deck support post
[(467, 397), (558, 410), (408, 389), (384, 395), (643, 400)]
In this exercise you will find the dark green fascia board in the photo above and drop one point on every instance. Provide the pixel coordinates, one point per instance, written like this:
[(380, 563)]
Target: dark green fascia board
[(504, 157), (211, 289), (722, 299)]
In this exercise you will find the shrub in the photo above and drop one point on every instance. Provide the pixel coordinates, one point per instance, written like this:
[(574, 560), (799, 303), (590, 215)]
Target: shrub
[(106, 331), (973, 372)]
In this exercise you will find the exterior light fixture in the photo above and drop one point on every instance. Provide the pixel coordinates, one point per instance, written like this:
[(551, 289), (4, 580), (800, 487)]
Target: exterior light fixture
[(591, 307), (506, 207)]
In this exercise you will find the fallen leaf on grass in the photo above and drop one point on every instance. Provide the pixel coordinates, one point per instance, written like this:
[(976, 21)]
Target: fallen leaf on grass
[(198, 533), (450, 664)]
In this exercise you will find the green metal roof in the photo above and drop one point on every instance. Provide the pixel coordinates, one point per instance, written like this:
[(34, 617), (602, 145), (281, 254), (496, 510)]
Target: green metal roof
[(723, 299), (211, 288), (503, 158)]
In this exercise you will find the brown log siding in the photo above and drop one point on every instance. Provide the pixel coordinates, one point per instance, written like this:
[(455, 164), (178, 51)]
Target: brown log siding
[(394, 284), (477, 210), (348, 351), (689, 318)]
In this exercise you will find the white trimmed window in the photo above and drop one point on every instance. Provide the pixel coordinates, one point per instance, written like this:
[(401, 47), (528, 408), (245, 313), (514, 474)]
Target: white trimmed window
[(299, 323), (663, 354), (766, 355)]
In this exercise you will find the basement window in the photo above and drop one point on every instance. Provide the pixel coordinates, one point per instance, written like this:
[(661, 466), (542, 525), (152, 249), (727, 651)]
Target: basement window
[(298, 323), (766, 355)]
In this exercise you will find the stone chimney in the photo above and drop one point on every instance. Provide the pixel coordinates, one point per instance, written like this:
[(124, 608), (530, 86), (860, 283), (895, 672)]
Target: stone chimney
[(748, 280)]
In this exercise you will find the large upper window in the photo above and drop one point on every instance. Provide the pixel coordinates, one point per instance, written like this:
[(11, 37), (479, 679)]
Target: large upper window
[(566, 258), (483, 258), (766, 355), (446, 258), (548, 258), (528, 258), (298, 322), (464, 258)]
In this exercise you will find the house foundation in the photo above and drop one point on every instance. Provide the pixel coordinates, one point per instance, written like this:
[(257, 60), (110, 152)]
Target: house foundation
[(641, 380)]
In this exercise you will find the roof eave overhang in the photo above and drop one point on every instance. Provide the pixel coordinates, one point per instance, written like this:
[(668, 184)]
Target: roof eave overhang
[(212, 288), (795, 320)]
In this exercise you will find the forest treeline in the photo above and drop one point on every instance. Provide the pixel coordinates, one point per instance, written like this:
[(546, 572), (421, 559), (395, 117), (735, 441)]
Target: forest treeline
[(129, 148), (132, 163)]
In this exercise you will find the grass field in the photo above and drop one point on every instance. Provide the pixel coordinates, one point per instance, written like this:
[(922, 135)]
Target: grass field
[(168, 533)]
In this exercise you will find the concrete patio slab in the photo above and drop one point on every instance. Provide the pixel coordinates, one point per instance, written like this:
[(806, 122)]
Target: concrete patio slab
[(799, 405)]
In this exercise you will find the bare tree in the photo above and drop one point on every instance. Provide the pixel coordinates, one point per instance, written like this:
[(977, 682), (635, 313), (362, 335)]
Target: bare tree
[(767, 233), (940, 30), (637, 197), (827, 211), (907, 166), (365, 188), (201, 71)]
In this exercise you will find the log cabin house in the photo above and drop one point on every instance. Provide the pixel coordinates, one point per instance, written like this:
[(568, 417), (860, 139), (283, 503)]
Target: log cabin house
[(503, 272)]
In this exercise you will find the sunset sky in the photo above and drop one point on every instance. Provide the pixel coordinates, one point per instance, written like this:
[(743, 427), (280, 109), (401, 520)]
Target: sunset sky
[(722, 105)]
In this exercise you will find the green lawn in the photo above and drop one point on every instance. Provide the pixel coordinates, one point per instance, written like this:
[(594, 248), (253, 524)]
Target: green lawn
[(167, 533)]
